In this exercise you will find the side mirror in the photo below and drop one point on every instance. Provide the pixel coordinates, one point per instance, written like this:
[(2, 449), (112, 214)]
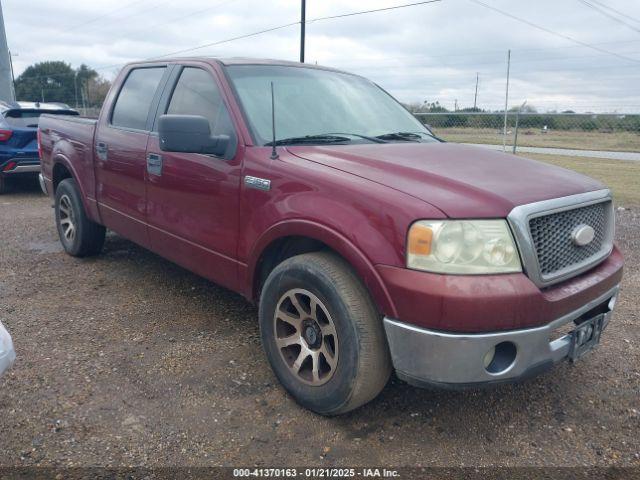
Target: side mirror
[(190, 134)]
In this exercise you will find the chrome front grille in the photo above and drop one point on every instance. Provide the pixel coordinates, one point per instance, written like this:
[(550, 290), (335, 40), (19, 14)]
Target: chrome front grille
[(551, 235), (544, 233)]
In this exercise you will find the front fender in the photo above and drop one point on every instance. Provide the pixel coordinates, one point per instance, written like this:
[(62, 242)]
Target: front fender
[(333, 239)]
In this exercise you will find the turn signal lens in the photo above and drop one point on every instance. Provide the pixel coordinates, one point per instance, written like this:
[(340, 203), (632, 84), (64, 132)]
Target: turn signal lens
[(420, 237)]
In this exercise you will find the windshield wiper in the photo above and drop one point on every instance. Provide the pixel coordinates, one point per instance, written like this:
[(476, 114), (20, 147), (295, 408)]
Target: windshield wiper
[(371, 139), (404, 136), (310, 139), (409, 136)]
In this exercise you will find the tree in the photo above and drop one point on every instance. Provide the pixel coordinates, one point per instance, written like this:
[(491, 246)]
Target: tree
[(47, 81), (434, 107), (96, 91), (92, 87), (525, 109), (57, 81), (425, 107)]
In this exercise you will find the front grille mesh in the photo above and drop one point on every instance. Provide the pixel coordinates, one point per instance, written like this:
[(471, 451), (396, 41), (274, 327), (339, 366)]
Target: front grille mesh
[(551, 235)]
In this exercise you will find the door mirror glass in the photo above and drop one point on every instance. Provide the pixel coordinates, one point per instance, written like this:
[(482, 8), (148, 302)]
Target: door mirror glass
[(190, 134)]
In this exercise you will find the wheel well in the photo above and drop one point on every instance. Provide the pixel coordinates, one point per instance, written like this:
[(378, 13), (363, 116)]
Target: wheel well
[(279, 251), (60, 172)]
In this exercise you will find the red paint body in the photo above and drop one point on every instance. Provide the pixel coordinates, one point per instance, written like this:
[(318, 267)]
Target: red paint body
[(359, 200)]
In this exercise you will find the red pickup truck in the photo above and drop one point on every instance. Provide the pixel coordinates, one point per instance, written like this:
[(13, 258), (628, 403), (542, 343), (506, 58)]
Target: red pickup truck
[(368, 244)]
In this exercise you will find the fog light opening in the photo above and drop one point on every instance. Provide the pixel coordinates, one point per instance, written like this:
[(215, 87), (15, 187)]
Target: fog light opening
[(488, 357), (500, 358)]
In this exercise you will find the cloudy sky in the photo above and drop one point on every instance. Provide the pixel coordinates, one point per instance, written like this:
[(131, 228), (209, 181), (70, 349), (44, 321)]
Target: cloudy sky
[(566, 54)]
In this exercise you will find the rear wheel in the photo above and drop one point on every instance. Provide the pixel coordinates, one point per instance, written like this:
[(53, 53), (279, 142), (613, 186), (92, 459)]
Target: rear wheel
[(79, 235), (322, 334), (3, 184)]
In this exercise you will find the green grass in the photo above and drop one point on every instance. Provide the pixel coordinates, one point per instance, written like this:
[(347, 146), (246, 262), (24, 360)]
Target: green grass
[(580, 140), (622, 177)]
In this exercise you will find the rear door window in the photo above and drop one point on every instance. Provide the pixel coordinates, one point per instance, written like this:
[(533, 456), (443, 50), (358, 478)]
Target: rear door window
[(134, 100)]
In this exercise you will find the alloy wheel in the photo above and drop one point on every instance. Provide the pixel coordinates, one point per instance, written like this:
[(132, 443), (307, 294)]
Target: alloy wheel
[(306, 337), (67, 218)]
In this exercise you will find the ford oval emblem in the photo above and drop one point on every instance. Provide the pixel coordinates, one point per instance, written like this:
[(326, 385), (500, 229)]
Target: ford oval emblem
[(583, 235)]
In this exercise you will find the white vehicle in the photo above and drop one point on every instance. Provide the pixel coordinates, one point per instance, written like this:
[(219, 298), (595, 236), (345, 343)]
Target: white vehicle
[(7, 355)]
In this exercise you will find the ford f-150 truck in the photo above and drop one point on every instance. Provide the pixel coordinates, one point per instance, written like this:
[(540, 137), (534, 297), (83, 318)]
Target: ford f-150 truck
[(368, 244)]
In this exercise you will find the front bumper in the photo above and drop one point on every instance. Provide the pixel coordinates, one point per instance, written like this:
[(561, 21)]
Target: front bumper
[(429, 357), (491, 303), (7, 354)]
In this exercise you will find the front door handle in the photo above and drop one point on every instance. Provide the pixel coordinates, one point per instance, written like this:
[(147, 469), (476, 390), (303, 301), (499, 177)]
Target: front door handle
[(154, 164), (102, 150)]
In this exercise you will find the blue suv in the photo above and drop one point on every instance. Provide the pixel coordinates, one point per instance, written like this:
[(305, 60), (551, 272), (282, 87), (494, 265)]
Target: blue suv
[(18, 136)]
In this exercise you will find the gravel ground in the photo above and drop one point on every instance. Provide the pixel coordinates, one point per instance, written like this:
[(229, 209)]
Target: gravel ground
[(126, 359)]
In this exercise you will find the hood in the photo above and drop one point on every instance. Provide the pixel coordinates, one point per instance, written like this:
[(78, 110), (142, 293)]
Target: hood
[(462, 181)]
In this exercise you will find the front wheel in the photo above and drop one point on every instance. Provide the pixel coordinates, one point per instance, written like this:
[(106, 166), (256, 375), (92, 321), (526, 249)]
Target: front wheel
[(322, 334), (79, 236)]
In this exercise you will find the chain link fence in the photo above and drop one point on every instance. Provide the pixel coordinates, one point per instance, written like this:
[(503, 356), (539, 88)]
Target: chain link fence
[(605, 135)]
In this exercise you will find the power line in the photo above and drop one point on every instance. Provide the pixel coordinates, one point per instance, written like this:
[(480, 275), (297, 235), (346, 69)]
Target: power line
[(473, 64), (227, 40), (100, 17), (395, 7), (176, 19), (608, 15), (557, 34), (154, 6), (604, 69), (219, 42), (173, 19), (475, 53), (622, 14)]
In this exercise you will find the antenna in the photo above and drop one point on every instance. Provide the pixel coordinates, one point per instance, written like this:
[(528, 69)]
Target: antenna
[(274, 153)]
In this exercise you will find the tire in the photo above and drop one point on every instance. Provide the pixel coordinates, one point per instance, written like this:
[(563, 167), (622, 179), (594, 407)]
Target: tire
[(79, 236), (3, 184), (346, 358)]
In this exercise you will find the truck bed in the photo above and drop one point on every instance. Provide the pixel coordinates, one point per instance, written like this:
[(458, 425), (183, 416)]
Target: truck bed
[(71, 140)]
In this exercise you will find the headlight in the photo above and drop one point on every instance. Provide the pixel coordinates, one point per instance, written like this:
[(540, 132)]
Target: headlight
[(462, 247)]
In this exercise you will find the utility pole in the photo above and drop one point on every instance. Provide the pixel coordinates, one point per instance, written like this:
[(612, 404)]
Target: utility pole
[(475, 98), (6, 85), (506, 104), (303, 14), (75, 88)]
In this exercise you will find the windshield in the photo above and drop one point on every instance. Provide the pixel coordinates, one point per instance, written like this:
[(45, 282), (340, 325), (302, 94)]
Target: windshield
[(313, 102)]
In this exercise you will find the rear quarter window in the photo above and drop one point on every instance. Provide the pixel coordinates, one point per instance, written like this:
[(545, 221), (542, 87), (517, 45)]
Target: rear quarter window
[(134, 100)]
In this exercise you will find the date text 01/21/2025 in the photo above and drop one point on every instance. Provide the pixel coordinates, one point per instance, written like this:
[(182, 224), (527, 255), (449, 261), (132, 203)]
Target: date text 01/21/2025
[(316, 472)]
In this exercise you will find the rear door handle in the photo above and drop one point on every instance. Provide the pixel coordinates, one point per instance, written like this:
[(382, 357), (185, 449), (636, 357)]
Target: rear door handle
[(102, 150), (154, 164)]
